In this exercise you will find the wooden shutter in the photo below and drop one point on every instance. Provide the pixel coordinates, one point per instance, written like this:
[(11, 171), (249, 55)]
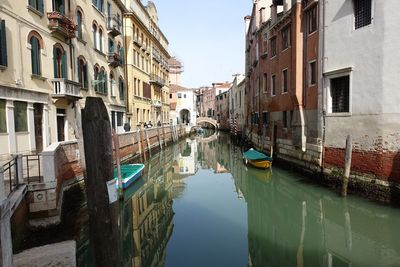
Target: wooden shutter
[(35, 56), (55, 63), (40, 6), (3, 44), (85, 76), (64, 65)]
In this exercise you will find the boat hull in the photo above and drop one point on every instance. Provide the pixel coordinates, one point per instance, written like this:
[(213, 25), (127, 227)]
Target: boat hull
[(262, 164)]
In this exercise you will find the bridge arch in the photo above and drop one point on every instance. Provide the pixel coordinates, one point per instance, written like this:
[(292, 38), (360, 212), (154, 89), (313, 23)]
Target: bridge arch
[(201, 120)]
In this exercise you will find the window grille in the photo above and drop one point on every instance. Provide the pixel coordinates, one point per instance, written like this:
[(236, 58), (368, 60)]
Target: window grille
[(340, 94), (362, 13)]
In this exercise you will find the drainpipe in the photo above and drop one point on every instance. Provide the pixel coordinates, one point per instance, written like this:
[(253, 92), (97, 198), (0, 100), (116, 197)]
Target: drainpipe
[(322, 80), (303, 95)]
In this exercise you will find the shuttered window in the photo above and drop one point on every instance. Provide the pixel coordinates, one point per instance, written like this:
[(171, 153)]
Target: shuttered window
[(121, 89), (60, 63), (3, 118), (20, 116), (35, 56), (340, 94), (3, 44), (79, 25)]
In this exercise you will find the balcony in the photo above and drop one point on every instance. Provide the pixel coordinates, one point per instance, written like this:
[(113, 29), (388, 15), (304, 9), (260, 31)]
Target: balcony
[(114, 59), (63, 88), (114, 25), (156, 56), (61, 26), (156, 103), (157, 80)]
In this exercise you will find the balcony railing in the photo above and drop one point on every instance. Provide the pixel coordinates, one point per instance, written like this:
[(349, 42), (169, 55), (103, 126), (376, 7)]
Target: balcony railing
[(157, 80), (156, 103), (60, 25), (156, 55), (114, 25), (63, 88), (114, 59), (137, 40)]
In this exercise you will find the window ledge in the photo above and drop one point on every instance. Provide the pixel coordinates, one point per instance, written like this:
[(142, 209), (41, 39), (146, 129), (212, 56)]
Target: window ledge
[(284, 50), (23, 132), (284, 93), (3, 133), (38, 77), (81, 40), (2, 67), (33, 10), (339, 114), (84, 88), (95, 7), (100, 93), (99, 52), (312, 33)]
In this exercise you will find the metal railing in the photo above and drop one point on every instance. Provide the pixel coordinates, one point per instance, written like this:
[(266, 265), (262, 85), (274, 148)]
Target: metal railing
[(33, 172), (10, 174)]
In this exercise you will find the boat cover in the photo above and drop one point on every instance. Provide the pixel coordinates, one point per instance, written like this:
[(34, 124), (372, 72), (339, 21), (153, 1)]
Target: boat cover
[(253, 154)]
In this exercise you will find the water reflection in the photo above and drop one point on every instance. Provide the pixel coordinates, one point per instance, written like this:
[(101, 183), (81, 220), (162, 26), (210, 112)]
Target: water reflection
[(289, 222)]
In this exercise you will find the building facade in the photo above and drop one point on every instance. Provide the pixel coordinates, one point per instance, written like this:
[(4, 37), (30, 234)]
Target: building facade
[(53, 55), (147, 65), (175, 71), (222, 109), (183, 101), (237, 104)]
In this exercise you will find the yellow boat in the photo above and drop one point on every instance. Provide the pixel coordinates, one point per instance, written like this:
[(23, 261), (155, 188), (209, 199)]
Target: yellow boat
[(257, 159)]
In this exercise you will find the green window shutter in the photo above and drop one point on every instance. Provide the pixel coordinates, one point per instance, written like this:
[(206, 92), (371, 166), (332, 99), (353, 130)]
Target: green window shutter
[(3, 44), (106, 84), (40, 6), (64, 65), (85, 76), (35, 56), (122, 55), (55, 67)]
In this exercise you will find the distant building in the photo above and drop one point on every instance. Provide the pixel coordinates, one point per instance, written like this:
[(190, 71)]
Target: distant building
[(185, 105), (175, 71), (222, 105), (237, 104)]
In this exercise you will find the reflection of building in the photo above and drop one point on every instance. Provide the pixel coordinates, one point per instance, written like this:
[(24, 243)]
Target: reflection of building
[(152, 214), (187, 158)]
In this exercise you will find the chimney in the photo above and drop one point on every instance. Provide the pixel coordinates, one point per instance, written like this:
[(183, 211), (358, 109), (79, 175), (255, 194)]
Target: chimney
[(262, 15), (247, 23), (274, 14)]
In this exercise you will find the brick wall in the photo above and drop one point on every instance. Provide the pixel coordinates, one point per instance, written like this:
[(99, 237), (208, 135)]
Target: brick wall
[(385, 165)]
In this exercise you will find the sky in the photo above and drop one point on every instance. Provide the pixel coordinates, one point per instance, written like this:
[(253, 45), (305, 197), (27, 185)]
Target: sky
[(207, 36)]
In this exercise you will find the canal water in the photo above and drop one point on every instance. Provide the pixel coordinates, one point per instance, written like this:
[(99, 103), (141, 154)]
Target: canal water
[(197, 204)]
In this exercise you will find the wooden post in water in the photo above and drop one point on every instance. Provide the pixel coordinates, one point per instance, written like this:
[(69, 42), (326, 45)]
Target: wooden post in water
[(118, 161), (163, 130), (159, 137), (347, 165), (139, 142), (99, 169), (148, 142)]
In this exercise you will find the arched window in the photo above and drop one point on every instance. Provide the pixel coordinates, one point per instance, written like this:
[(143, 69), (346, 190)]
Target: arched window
[(94, 30), (100, 40), (82, 72), (96, 77), (79, 25), (59, 62), (35, 55), (59, 6), (102, 81), (121, 88)]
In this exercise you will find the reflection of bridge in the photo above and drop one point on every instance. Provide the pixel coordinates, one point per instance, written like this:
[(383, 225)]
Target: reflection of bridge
[(201, 120), (207, 139)]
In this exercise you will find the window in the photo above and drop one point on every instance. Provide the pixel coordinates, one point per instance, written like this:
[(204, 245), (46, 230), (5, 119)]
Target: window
[(265, 118), (95, 78), (111, 48), (121, 88), (82, 72), (273, 46), (120, 117), (273, 89), (37, 5), (284, 119), (79, 25), (59, 62), (284, 81), (312, 72), (3, 43), (312, 19), (20, 116), (112, 84), (58, 5), (99, 4), (35, 55), (340, 94), (102, 81), (184, 95), (285, 34), (3, 118), (100, 40), (362, 13), (94, 30), (265, 81), (179, 95), (170, 96)]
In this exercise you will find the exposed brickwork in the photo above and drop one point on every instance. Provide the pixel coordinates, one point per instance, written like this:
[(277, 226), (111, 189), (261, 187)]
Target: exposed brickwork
[(385, 165)]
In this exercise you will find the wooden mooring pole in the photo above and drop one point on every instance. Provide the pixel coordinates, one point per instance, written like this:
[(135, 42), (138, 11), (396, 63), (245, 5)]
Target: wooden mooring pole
[(347, 165), (99, 169)]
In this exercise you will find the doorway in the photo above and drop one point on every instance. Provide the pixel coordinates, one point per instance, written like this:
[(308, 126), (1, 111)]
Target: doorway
[(37, 119), (60, 125)]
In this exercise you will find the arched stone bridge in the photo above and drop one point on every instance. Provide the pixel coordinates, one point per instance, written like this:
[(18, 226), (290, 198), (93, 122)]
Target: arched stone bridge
[(208, 120)]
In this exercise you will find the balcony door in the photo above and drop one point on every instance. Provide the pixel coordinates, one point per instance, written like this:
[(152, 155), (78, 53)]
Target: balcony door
[(61, 124), (59, 6), (59, 62)]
